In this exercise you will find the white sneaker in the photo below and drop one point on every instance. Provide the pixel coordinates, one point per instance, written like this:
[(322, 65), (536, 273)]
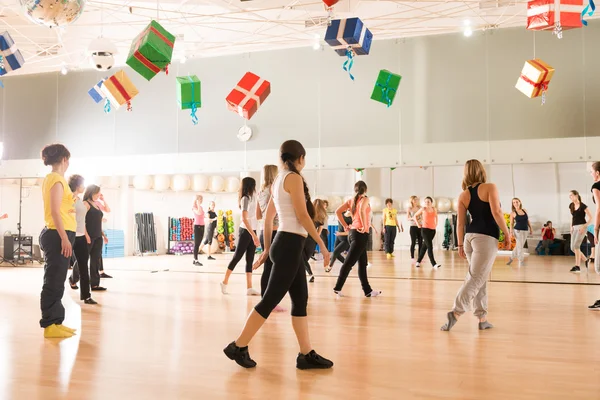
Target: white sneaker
[(375, 293), (252, 292), (436, 266), (223, 288), (369, 265), (339, 295), (418, 264)]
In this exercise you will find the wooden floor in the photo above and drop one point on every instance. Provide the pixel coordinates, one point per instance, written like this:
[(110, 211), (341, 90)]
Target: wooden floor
[(160, 336)]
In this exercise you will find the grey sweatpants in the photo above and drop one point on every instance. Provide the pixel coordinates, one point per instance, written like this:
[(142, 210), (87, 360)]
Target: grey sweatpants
[(577, 237), (481, 252), (519, 250)]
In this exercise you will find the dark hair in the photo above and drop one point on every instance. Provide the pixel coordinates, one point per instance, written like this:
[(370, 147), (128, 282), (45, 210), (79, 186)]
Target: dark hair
[(430, 199), (247, 188), (75, 181), (360, 188), (572, 206), (90, 191), (390, 201), (53, 154), (596, 166), (290, 152)]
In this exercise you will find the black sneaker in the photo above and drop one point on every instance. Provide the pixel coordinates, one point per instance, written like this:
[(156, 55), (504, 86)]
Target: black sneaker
[(240, 355), (105, 275), (595, 306), (90, 301), (210, 258), (98, 289), (575, 269), (312, 361), (312, 279), (197, 263)]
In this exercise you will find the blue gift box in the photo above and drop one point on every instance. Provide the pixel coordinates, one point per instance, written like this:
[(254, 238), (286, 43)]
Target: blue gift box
[(11, 56), (350, 32), (95, 92)]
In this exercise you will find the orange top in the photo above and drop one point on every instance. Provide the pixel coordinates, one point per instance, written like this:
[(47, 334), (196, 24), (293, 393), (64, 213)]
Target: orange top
[(356, 220), (429, 219)]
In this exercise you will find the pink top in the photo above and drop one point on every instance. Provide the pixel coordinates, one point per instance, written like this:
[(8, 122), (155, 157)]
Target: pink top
[(429, 219), (356, 220), (199, 216)]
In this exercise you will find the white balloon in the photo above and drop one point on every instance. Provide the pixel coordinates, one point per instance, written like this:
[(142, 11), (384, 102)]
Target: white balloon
[(232, 184), (376, 203), (423, 202), (216, 184), (334, 203), (200, 183), (444, 204), (142, 182), (455, 204), (162, 183), (28, 182), (181, 182)]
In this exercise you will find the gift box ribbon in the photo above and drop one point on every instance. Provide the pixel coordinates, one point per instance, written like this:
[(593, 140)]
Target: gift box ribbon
[(347, 66), (121, 90), (249, 94), (141, 58), (589, 10), (542, 85), (385, 90), (192, 104), (340, 37)]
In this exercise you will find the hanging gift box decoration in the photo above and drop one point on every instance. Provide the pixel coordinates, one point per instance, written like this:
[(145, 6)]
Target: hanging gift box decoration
[(330, 3), (535, 78), (119, 90), (249, 94), (349, 37), (189, 95), (96, 92), (10, 57), (386, 87), (151, 51), (555, 15)]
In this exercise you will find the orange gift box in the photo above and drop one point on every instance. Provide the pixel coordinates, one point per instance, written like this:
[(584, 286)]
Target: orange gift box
[(535, 78)]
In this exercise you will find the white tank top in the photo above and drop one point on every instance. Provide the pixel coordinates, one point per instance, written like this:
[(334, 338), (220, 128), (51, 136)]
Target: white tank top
[(288, 222)]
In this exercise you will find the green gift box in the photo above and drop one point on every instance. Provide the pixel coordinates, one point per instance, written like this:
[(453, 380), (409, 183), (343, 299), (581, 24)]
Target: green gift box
[(151, 51), (386, 87), (188, 92)]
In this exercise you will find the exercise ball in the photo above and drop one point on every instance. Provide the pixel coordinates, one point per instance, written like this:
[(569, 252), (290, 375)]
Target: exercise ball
[(199, 183), (455, 204), (443, 204), (216, 183), (423, 202), (232, 184), (9, 181), (52, 13), (181, 182), (113, 182), (28, 182), (406, 204), (162, 183), (376, 203), (349, 197), (142, 182), (334, 203)]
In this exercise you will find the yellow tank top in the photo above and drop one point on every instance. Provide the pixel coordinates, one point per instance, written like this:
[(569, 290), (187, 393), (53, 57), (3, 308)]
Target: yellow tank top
[(389, 216), (67, 205)]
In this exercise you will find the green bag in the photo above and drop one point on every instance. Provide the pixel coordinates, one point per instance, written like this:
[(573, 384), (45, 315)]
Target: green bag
[(386, 87), (151, 51)]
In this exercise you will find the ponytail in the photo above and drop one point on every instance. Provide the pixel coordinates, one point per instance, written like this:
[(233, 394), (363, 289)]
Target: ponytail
[(309, 205), (360, 188)]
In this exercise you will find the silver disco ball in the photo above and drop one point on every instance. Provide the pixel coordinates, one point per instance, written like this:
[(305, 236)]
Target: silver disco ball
[(53, 13)]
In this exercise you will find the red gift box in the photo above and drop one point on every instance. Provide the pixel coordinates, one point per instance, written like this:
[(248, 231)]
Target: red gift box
[(330, 3), (248, 95), (544, 14)]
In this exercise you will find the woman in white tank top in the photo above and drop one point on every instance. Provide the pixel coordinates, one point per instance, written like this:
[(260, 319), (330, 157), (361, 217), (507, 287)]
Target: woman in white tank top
[(291, 202)]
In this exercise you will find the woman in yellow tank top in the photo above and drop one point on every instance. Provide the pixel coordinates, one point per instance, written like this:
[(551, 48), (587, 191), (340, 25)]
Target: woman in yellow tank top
[(56, 240)]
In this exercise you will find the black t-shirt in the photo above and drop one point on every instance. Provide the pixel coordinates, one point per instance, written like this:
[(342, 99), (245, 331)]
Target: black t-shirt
[(579, 215), (348, 221), (212, 215), (596, 185)]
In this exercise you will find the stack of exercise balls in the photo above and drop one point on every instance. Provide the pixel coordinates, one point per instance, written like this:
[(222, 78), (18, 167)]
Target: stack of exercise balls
[(231, 230), (183, 248), (220, 230)]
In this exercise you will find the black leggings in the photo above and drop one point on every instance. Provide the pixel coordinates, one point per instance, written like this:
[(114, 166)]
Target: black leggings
[(358, 252), (245, 245), (81, 269), (55, 273), (428, 235), (286, 276), (309, 249), (95, 261), (341, 245), (390, 237), (325, 238), (210, 233), (415, 239), (198, 234), (264, 279)]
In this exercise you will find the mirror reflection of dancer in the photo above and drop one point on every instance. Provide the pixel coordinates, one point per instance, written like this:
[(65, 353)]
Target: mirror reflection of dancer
[(548, 234), (581, 219), (105, 208), (341, 241), (291, 202), (93, 226), (390, 225), (264, 197), (198, 226), (310, 245), (210, 231), (415, 233), (595, 172), (428, 227), (56, 240), (519, 226), (247, 241), (480, 244)]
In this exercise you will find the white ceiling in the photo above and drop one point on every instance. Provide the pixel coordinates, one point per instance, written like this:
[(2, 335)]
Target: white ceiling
[(207, 28)]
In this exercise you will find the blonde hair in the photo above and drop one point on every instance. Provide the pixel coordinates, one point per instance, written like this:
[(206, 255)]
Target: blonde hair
[(320, 211), (474, 174), (413, 200), (513, 205), (198, 197), (269, 174)]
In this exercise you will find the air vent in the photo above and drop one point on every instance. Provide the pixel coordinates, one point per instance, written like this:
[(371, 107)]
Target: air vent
[(318, 21), (488, 4)]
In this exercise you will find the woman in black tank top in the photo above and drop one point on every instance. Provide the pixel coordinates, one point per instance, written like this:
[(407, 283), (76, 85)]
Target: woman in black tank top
[(93, 226), (480, 244)]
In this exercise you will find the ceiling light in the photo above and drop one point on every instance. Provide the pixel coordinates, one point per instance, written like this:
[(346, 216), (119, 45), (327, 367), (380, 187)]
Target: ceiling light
[(64, 70), (316, 46), (468, 32), (467, 22), (317, 36)]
